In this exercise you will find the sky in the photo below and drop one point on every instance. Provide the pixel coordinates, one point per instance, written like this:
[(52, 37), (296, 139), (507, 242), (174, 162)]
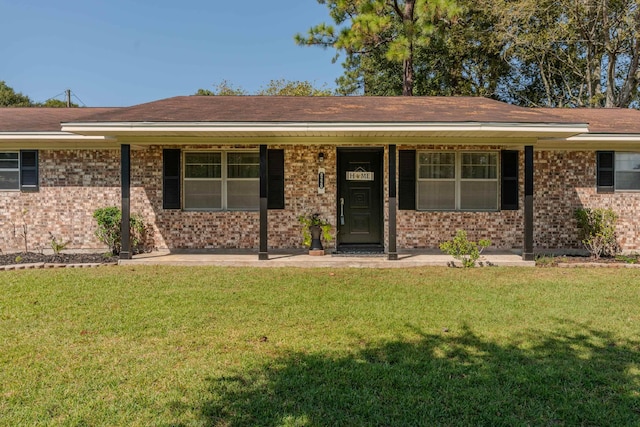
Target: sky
[(124, 52)]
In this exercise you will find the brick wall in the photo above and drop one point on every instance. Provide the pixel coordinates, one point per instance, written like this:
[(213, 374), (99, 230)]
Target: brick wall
[(565, 181), (427, 229), (73, 183)]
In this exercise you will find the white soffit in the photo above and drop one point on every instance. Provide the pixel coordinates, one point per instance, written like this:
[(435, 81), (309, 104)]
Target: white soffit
[(593, 141), (54, 140), (51, 136)]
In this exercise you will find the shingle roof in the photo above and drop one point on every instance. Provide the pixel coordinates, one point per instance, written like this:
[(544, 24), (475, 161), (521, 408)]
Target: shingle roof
[(321, 109), (34, 119), (326, 110), (601, 120)]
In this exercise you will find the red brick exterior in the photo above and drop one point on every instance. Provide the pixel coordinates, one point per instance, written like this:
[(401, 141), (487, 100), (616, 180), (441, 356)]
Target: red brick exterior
[(73, 183)]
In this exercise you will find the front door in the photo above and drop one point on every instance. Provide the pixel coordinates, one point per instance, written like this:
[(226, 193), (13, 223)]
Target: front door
[(360, 178)]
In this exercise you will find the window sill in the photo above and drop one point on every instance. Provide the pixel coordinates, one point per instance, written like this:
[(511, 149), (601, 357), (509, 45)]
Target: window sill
[(458, 210), (218, 210)]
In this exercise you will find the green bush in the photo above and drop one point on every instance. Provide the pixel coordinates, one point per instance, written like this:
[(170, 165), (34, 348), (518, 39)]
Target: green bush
[(57, 246), (597, 231), (109, 221), (463, 249)]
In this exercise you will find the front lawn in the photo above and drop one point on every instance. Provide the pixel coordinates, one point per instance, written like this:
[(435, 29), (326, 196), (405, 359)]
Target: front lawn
[(168, 346)]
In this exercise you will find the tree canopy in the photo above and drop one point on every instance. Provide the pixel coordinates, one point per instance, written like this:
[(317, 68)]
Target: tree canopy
[(11, 98), (279, 87), (224, 88), (570, 52), (55, 103), (553, 53), (385, 31)]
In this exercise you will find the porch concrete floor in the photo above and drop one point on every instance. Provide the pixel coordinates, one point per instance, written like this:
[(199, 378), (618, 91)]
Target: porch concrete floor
[(302, 259)]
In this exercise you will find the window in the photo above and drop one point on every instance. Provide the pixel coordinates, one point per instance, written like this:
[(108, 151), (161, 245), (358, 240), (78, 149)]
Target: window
[(221, 180), (19, 170), (627, 171), (458, 181), (9, 171), (616, 171)]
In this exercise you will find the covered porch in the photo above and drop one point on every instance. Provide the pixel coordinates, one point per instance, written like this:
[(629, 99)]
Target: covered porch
[(393, 126)]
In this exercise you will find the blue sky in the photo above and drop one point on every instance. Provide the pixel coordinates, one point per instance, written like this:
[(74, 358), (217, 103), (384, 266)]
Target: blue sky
[(118, 53)]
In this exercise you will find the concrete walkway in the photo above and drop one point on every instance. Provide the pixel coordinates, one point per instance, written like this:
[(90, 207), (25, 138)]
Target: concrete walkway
[(300, 259)]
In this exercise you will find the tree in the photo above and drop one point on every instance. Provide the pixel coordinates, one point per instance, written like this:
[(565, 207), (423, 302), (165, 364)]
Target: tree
[(9, 97), (224, 88), (274, 88), (461, 57), (55, 103), (570, 52), (385, 30), (293, 88)]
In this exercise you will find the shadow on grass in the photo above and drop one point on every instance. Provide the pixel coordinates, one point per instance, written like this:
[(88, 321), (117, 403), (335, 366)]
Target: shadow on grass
[(581, 377)]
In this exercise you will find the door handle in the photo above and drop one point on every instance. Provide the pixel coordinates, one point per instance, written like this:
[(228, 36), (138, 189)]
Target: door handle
[(341, 210)]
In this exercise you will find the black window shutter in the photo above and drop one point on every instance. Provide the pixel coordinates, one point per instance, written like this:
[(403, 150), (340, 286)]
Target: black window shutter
[(605, 171), (275, 179), (29, 170), (171, 160), (510, 184), (407, 180)]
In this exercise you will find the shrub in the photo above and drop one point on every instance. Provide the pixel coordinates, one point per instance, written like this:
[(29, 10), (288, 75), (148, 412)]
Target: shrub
[(597, 231), (109, 222), (463, 249), (56, 246)]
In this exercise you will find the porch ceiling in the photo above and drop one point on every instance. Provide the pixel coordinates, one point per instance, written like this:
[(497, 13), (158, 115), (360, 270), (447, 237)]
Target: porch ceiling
[(59, 140)]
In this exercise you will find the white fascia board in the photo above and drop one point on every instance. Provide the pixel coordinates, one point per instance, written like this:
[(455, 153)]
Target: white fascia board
[(605, 137), (269, 127), (50, 136), (595, 138), (592, 142)]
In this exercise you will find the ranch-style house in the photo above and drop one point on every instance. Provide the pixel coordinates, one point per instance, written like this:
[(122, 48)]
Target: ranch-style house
[(390, 174)]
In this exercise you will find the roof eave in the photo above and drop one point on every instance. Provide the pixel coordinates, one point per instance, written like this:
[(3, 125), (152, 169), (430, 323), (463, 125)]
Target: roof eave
[(559, 130), (593, 141), (14, 140)]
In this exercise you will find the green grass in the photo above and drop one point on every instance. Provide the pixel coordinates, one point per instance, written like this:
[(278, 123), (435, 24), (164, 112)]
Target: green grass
[(142, 346)]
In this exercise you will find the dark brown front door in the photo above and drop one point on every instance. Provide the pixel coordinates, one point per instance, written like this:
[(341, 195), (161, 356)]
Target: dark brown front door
[(360, 178)]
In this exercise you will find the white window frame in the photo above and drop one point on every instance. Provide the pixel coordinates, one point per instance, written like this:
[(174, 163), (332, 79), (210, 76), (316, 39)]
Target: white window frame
[(458, 180), (224, 180), (17, 169)]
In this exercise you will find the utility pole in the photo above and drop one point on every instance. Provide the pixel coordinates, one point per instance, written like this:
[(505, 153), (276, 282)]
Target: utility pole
[(68, 92)]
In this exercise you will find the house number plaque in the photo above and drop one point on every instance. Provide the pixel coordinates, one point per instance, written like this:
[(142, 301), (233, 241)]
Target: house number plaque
[(321, 175), (359, 176)]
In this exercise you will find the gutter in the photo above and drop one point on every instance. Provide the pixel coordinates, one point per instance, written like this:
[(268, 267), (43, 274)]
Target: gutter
[(118, 128), (52, 136)]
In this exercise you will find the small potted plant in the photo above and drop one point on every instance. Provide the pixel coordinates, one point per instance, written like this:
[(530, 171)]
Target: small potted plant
[(313, 229)]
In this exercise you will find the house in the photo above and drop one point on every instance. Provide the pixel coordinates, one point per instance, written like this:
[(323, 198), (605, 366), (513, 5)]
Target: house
[(390, 173)]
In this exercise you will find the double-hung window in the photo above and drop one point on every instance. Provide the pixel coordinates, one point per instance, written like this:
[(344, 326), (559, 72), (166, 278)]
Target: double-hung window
[(627, 171), (9, 170), (452, 180), (19, 170), (243, 181), (617, 171), (221, 180)]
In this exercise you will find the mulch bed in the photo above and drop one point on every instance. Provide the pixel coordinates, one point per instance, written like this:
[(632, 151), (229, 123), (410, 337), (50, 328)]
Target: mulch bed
[(63, 258)]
